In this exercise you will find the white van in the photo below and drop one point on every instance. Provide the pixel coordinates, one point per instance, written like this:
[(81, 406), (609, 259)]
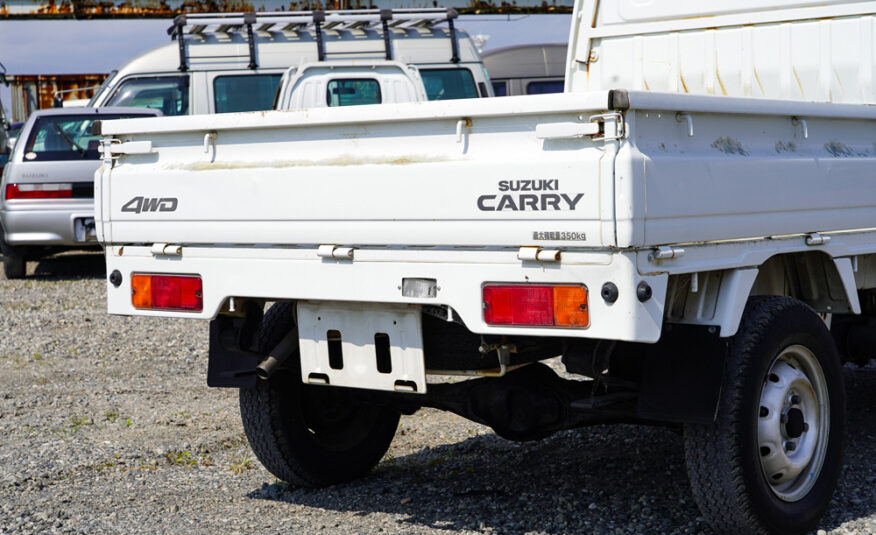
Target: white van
[(219, 63)]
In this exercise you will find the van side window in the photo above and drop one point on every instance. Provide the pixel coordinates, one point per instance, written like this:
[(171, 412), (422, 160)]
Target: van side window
[(170, 94), (546, 86), (500, 88), (248, 92), (447, 84), (352, 92)]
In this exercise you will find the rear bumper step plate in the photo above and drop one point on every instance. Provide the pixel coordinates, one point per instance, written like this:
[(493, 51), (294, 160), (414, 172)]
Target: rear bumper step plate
[(362, 345)]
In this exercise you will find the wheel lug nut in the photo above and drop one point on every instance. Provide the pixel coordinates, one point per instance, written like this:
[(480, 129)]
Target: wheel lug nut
[(795, 399), (805, 427), (790, 446)]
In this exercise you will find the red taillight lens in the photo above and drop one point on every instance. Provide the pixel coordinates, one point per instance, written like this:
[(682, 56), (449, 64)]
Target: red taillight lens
[(519, 305), (167, 292), (39, 191), (536, 305)]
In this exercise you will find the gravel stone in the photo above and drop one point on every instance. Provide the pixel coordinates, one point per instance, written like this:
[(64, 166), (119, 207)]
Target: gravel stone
[(107, 426)]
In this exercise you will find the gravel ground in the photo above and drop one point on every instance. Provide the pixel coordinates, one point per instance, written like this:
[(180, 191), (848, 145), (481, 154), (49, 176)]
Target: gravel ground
[(107, 426)]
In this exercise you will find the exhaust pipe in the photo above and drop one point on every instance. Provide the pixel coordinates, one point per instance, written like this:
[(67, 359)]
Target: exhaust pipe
[(278, 355)]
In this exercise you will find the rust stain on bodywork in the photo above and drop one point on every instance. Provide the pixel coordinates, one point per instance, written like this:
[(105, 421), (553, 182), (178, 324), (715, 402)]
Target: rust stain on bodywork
[(339, 161), (790, 146), (838, 149), (728, 145)]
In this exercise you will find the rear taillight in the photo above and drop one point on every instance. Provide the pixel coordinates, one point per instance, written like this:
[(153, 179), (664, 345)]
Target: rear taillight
[(39, 191), (167, 292), (536, 305)]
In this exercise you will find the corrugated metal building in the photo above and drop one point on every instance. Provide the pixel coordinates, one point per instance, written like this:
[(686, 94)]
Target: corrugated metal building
[(37, 91), (87, 9)]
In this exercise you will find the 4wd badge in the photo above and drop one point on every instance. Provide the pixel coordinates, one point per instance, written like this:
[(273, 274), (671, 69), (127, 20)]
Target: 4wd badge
[(150, 204)]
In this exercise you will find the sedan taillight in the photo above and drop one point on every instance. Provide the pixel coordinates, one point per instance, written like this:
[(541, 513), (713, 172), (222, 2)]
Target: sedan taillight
[(39, 191)]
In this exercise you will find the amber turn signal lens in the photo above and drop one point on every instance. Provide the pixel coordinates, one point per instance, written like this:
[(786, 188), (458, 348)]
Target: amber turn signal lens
[(141, 291), (570, 306)]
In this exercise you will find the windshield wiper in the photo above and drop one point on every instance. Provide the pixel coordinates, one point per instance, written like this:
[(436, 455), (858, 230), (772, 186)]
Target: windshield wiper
[(72, 144)]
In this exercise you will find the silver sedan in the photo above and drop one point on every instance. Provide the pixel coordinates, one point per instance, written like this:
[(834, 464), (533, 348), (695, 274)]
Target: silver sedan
[(48, 184)]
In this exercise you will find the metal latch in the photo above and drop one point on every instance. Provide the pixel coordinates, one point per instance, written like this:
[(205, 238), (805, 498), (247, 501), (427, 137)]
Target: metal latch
[(335, 251), (665, 252), (209, 140), (815, 238), (605, 122), (682, 117), (797, 121), (165, 249), (565, 130), (460, 124), (538, 254), (131, 147)]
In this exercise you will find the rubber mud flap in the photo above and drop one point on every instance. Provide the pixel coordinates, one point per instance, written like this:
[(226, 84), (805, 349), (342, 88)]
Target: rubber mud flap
[(682, 375)]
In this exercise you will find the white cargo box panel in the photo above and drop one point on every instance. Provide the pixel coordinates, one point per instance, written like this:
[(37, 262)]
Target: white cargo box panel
[(811, 50), (362, 345)]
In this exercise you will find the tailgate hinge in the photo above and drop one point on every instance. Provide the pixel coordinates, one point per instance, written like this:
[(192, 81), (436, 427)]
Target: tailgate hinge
[(814, 238), (665, 252), (335, 251), (538, 254), (166, 249)]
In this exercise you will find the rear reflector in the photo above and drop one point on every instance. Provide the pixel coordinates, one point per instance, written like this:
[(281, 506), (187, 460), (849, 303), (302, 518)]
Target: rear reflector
[(167, 292), (536, 305), (39, 191)]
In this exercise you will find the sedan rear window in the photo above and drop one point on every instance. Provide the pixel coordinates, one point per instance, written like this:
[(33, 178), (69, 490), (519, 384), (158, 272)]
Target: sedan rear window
[(62, 137)]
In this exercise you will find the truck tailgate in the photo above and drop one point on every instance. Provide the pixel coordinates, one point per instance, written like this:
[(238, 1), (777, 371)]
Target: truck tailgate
[(462, 173)]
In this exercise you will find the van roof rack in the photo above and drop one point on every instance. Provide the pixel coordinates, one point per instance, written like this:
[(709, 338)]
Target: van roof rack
[(315, 21)]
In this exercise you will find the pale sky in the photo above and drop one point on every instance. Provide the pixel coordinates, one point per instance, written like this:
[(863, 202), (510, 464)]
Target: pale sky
[(99, 46)]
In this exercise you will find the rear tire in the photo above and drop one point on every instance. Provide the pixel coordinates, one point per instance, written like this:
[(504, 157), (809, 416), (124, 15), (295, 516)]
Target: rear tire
[(14, 263), (14, 266), (770, 462), (311, 436)]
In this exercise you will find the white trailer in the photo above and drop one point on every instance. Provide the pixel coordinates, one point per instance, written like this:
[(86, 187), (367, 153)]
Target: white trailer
[(707, 259)]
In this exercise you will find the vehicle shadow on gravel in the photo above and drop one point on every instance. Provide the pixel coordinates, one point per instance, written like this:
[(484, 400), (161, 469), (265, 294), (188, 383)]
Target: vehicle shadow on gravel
[(855, 497), (605, 479), (77, 265), (586, 481)]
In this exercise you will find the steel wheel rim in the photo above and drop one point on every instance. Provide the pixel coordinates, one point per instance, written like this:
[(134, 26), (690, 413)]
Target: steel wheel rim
[(793, 423)]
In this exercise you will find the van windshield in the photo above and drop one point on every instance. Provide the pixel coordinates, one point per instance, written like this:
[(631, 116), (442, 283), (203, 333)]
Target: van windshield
[(448, 84), (59, 137), (170, 94), (250, 92), (93, 102)]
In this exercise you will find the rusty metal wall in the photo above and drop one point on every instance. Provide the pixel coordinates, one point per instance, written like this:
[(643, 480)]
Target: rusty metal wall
[(87, 9), (37, 91)]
